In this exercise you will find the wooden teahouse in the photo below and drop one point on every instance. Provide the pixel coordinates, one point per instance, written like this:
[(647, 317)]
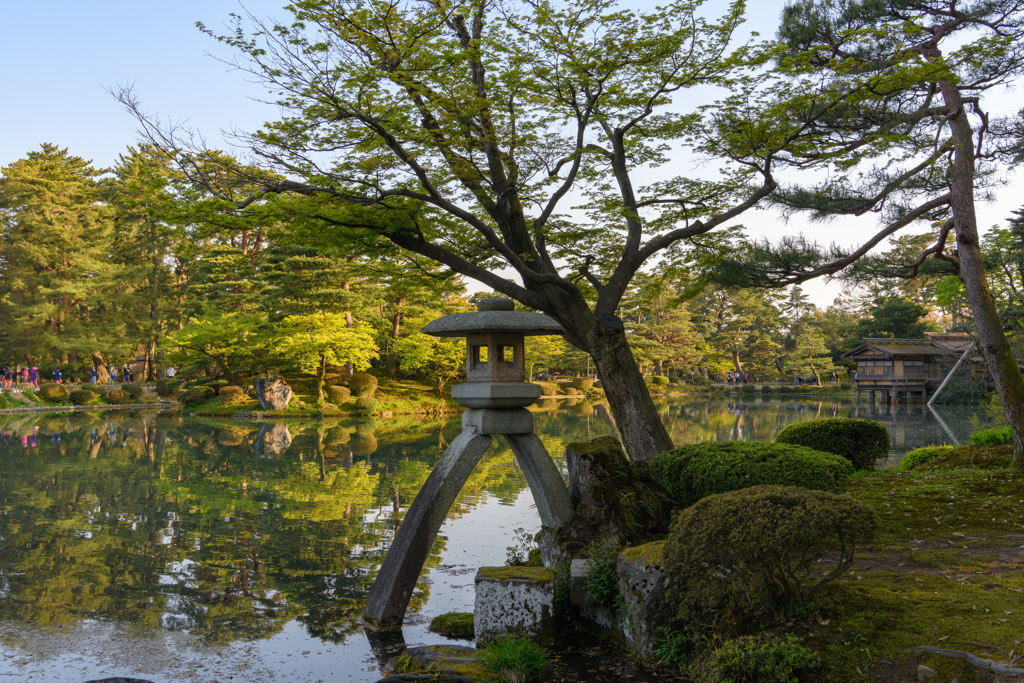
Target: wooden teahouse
[(909, 369)]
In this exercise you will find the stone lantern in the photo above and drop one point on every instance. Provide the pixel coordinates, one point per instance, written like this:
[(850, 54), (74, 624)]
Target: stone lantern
[(495, 395)]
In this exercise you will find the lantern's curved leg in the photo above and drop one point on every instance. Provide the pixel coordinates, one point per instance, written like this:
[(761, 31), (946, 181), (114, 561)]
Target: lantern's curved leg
[(396, 579), (549, 492)]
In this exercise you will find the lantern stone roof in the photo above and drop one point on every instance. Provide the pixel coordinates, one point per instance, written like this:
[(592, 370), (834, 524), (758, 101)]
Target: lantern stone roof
[(516, 322)]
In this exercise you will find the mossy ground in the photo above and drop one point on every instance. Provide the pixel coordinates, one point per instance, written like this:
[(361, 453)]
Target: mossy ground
[(539, 574), (946, 571)]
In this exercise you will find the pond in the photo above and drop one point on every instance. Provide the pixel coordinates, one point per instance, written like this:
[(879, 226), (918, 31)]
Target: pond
[(177, 549)]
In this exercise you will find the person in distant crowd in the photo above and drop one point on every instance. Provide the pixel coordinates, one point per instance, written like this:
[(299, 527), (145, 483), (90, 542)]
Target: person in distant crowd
[(111, 373), (170, 372), (126, 373), (33, 376), (95, 374), (24, 375), (56, 375), (5, 376)]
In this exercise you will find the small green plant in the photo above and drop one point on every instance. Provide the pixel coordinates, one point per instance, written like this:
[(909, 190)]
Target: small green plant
[(602, 579), (513, 658), (674, 649), (518, 554), (758, 659), (992, 437), (660, 380), (919, 456)]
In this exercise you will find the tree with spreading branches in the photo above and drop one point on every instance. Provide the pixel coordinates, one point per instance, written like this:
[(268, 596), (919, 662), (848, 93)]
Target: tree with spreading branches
[(895, 124), (521, 143)]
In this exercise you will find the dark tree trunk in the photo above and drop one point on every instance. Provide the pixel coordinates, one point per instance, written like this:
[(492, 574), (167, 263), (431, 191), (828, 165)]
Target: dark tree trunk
[(1001, 363), (636, 417)]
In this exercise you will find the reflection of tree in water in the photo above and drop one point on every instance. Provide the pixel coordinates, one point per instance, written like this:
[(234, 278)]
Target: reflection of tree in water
[(177, 524)]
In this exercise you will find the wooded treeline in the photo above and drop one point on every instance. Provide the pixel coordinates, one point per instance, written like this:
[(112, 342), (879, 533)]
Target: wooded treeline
[(106, 265)]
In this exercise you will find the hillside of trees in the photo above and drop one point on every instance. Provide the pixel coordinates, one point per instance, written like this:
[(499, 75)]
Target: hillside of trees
[(102, 266)]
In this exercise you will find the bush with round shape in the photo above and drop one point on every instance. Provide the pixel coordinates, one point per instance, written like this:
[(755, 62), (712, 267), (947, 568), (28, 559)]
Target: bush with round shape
[(55, 393), (231, 394), (363, 384), (548, 389), (690, 473), (197, 395), (116, 397), (748, 388), (660, 380), (571, 391), (584, 384), (166, 387), (862, 442), (133, 390), (764, 658), (338, 395), (740, 560), (366, 405), (767, 388), (674, 381), (81, 396), (920, 456)]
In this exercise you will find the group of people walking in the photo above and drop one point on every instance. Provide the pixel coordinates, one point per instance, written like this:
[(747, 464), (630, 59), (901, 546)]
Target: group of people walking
[(30, 375)]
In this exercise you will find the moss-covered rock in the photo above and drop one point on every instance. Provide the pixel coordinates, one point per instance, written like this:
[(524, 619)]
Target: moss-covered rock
[(862, 442), (615, 498), (453, 625)]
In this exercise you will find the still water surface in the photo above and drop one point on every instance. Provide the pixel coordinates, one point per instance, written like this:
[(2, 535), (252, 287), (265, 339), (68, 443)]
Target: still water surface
[(176, 549)]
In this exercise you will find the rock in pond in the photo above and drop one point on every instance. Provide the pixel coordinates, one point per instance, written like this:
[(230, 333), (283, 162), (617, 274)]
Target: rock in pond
[(514, 600)]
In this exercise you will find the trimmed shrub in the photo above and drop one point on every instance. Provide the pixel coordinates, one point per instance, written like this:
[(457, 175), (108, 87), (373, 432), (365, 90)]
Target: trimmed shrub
[(862, 442), (55, 393), (674, 381), (216, 384), (231, 394), (571, 391), (584, 384), (919, 456), (692, 472), (81, 396), (338, 395), (164, 387), (767, 388), (740, 560), (548, 389), (133, 390), (992, 437), (116, 397), (363, 384), (196, 395), (765, 658), (660, 380), (748, 388), (366, 405)]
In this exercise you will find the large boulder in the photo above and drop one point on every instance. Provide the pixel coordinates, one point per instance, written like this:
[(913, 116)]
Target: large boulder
[(273, 395), (273, 440)]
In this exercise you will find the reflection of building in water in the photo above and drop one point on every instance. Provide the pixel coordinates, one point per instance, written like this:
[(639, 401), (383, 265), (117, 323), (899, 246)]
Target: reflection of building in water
[(910, 426), (906, 368)]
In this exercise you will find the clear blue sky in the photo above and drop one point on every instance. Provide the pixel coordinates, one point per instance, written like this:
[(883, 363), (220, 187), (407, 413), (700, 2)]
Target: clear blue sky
[(60, 56)]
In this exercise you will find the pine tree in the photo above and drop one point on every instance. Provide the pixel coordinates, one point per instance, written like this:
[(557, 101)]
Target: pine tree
[(58, 281)]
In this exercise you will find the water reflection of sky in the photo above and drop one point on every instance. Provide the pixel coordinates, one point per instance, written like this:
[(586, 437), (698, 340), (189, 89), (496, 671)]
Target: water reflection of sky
[(165, 548)]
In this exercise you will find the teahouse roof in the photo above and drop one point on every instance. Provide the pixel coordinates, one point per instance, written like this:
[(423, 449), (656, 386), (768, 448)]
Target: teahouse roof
[(902, 348), (516, 322)]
